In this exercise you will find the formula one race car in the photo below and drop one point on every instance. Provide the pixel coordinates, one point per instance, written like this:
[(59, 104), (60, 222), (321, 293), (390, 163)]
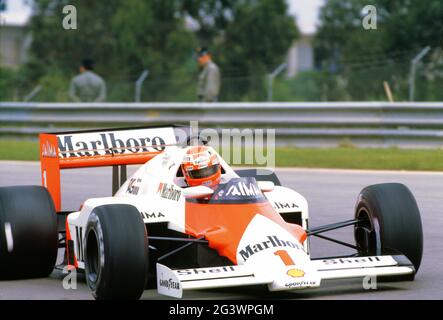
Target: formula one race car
[(158, 230)]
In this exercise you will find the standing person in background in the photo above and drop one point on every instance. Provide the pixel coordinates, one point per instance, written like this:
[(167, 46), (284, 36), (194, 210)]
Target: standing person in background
[(208, 87), (87, 86)]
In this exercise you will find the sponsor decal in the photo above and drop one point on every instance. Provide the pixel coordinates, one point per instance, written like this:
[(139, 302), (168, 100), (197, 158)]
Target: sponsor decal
[(295, 273), (133, 186), (201, 161), (238, 189), (243, 188), (226, 269), (118, 142), (168, 191), (169, 284), (48, 150), (285, 205), (300, 284), (271, 242), (152, 215), (345, 261), (171, 165), (80, 244)]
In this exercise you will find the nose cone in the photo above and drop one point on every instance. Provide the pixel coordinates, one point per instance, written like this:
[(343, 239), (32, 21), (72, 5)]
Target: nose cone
[(269, 249)]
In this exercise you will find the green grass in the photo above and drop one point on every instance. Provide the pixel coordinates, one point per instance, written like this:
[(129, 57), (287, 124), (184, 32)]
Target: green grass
[(354, 158), (342, 157), (19, 150)]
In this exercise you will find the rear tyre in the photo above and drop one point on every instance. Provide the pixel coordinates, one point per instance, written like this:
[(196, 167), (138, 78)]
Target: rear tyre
[(390, 224), (28, 232), (116, 252)]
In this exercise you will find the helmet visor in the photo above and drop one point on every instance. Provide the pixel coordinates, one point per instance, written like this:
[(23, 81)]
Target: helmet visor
[(204, 172)]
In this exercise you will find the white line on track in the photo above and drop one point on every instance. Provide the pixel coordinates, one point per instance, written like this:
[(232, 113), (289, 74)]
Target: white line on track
[(16, 162)]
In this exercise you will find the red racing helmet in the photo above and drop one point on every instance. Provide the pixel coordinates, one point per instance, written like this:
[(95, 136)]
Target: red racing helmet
[(201, 166)]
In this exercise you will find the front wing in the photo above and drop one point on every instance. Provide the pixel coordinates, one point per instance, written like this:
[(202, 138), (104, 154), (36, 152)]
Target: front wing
[(173, 282)]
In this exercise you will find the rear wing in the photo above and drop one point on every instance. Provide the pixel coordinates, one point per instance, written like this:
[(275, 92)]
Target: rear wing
[(106, 147)]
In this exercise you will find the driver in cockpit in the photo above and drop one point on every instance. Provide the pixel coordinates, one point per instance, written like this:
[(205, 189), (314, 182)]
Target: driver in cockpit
[(201, 167)]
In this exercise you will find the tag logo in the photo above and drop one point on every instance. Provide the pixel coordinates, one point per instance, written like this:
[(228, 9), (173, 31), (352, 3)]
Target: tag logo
[(295, 273), (152, 215), (285, 205), (110, 143), (48, 151), (370, 20), (271, 242), (70, 20), (243, 189), (206, 270), (134, 186), (169, 284), (168, 191)]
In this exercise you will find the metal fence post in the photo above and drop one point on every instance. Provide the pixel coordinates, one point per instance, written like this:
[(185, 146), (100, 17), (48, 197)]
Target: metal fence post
[(271, 78), (138, 85), (414, 63), (32, 94)]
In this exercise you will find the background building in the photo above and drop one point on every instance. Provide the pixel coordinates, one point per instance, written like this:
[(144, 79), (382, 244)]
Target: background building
[(301, 54), (14, 37)]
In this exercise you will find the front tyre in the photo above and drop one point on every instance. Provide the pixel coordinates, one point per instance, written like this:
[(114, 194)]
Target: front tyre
[(389, 224), (116, 252)]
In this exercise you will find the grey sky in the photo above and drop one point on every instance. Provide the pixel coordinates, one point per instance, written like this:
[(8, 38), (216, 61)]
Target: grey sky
[(306, 13)]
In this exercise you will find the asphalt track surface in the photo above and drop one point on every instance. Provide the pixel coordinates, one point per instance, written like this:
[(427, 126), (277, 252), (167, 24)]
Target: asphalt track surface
[(331, 195)]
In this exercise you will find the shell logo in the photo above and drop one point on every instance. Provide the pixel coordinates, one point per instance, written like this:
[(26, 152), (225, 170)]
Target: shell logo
[(295, 273)]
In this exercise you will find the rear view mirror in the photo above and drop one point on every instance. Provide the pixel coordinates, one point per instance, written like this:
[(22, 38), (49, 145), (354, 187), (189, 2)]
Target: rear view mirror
[(197, 192)]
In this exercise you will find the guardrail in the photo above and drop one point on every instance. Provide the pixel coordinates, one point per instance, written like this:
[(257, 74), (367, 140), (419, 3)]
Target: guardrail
[(301, 124)]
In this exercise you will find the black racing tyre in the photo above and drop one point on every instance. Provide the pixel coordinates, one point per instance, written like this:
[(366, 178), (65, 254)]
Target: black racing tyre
[(268, 176), (390, 224), (116, 252), (28, 232)]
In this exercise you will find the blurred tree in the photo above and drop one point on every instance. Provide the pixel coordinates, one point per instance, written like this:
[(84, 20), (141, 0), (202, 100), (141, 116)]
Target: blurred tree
[(368, 57), (256, 42), (212, 17), (123, 37), (413, 24), (56, 48), (248, 38), (7, 84), (152, 35)]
